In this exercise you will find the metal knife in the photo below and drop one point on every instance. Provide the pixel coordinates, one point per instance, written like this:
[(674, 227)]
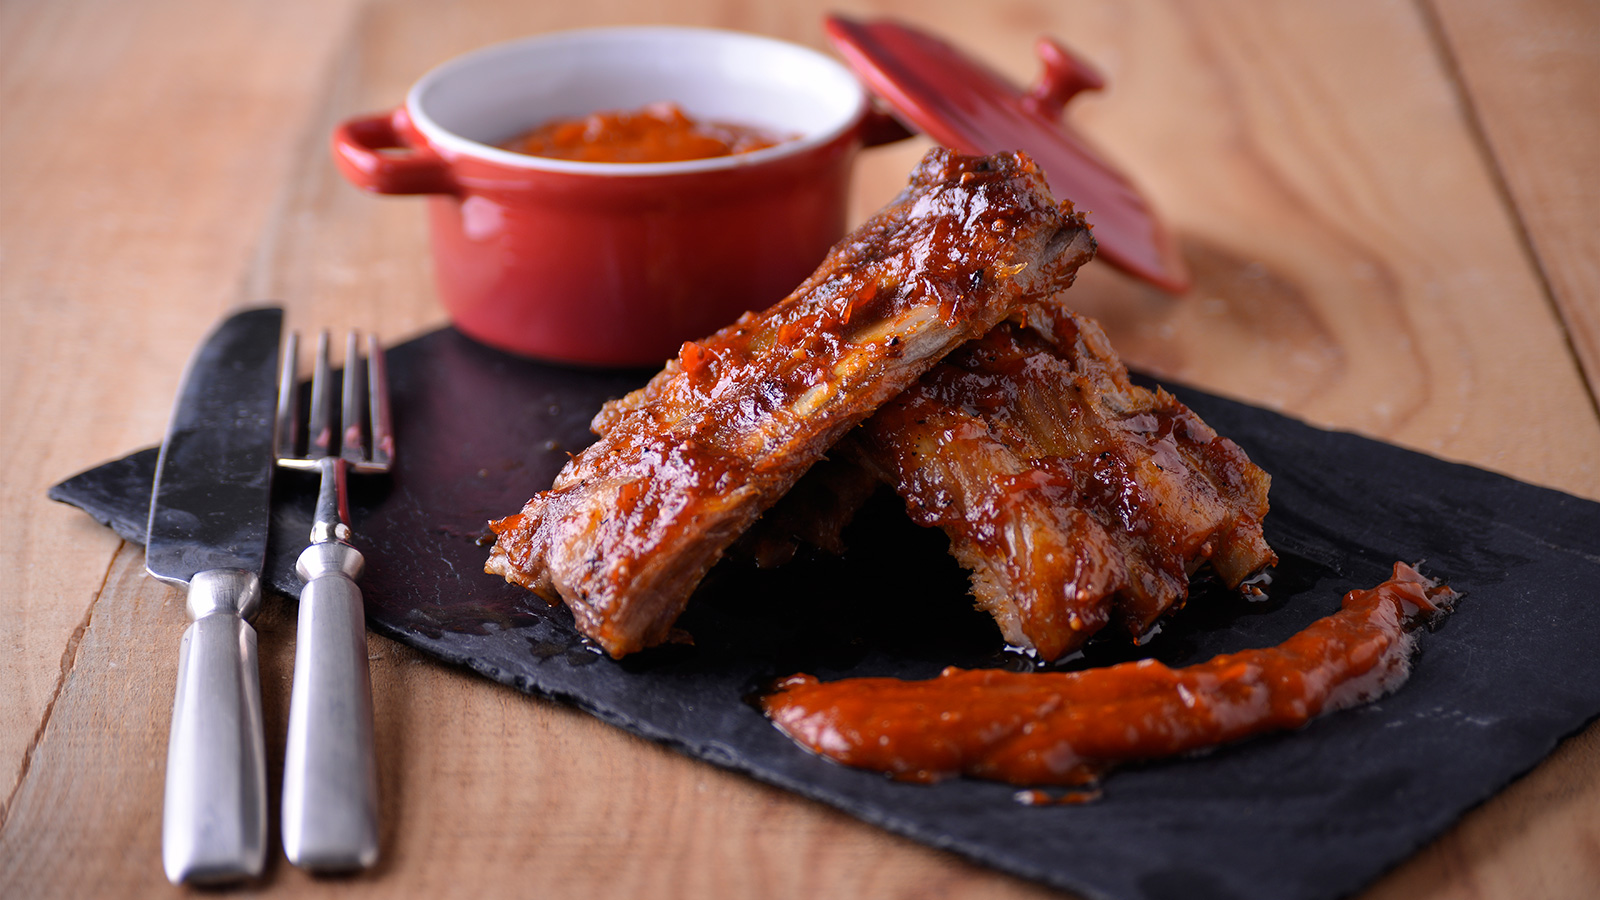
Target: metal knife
[(208, 529)]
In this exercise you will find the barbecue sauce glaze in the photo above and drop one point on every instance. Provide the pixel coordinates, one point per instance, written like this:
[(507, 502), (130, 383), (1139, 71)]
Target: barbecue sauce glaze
[(686, 464)]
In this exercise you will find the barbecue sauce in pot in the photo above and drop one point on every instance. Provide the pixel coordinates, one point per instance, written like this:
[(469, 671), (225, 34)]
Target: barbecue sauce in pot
[(660, 132)]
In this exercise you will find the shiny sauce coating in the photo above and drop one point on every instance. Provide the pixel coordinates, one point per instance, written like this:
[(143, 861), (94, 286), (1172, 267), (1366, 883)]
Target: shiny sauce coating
[(1068, 728), (660, 132), (686, 464), (1074, 497)]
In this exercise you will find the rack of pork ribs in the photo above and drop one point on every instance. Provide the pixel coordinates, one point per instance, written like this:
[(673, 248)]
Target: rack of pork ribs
[(928, 352)]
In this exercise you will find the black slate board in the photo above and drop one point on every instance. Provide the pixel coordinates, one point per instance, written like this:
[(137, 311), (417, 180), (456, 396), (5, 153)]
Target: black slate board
[(1315, 814)]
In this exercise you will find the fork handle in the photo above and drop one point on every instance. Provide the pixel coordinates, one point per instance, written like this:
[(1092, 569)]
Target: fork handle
[(214, 817), (330, 776)]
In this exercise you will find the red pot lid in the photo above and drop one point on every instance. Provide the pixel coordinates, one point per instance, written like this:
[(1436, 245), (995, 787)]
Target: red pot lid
[(969, 107)]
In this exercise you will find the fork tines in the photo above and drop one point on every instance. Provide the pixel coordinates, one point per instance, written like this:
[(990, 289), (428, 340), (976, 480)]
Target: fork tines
[(322, 440)]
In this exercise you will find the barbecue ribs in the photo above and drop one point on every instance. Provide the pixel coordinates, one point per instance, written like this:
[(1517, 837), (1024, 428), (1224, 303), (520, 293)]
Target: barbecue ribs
[(1073, 496), (685, 464)]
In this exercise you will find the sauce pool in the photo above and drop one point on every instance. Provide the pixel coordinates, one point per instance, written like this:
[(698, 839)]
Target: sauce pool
[(1069, 728), (660, 132)]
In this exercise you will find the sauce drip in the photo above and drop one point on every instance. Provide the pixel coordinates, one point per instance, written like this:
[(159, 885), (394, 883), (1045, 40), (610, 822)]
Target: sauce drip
[(1068, 728), (660, 132)]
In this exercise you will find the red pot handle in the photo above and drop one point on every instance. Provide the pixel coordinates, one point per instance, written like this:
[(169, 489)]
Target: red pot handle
[(359, 150)]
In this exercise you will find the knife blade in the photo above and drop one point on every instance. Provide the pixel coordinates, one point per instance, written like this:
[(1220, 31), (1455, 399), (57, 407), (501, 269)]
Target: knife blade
[(209, 511)]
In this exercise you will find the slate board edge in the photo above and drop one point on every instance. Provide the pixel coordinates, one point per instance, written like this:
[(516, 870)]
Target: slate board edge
[(873, 814), (130, 528)]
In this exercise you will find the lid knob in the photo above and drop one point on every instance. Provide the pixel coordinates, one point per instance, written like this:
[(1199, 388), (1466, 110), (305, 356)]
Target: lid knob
[(970, 108), (1064, 77)]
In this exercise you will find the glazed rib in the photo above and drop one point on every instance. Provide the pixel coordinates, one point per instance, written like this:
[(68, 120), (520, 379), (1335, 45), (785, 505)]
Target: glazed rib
[(1072, 495), (684, 465)]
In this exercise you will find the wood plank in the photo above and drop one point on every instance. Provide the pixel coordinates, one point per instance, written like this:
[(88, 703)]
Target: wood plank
[(143, 150), (1535, 839), (1531, 69)]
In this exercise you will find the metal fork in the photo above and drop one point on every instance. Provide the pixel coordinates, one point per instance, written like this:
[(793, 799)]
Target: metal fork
[(330, 775)]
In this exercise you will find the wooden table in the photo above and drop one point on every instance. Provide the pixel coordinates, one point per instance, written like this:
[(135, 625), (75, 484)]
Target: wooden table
[(1390, 208)]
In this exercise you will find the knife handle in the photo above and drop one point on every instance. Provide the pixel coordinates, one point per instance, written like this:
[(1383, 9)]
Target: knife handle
[(214, 822), (330, 775)]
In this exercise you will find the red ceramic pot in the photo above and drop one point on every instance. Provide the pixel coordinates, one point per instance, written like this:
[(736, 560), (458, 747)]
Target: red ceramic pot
[(618, 263)]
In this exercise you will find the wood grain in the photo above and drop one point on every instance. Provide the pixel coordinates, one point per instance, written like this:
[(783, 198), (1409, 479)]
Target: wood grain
[(1377, 199), (1354, 265), (142, 155), (1525, 66)]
